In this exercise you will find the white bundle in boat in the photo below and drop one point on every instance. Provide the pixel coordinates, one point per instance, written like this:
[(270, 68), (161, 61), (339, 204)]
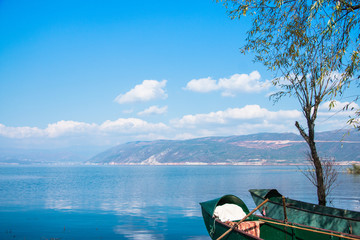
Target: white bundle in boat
[(229, 212)]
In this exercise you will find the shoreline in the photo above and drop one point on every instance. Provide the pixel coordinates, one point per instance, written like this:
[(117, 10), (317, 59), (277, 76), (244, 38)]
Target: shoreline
[(345, 163)]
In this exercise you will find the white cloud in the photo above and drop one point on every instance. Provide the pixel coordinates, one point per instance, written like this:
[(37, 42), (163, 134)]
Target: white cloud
[(62, 128), (146, 91), (72, 128), (20, 132), (53, 130), (232, 121), (131, 125), (153, 110), (202, 85), (243, 83), (249, 112), (237, 83), (237, 128)]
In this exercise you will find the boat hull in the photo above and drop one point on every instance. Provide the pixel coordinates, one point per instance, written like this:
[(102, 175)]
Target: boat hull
[(270, 229), (334, 219)]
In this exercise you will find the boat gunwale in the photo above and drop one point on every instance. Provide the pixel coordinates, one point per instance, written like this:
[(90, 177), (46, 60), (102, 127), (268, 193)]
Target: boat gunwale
[(309, 227), (288, 223), (309, 211)]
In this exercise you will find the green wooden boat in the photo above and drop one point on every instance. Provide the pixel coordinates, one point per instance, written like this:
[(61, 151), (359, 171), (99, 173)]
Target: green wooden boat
[(270, 229), (314, 215)]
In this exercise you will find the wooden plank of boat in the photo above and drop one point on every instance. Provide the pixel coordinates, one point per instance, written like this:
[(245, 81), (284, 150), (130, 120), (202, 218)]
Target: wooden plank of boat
[(269, 229), (314, 215)]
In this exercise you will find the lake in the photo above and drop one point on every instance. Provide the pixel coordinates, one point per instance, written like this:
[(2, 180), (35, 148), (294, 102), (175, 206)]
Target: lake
[(139, 202)]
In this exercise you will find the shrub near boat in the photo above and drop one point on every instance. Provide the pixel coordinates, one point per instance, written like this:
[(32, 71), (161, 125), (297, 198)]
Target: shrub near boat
[(355, 169)]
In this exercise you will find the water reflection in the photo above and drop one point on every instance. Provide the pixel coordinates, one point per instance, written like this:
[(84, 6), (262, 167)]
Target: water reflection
[(145, 202), (58, 204), (130, 189), (124, 188), (126, 231)]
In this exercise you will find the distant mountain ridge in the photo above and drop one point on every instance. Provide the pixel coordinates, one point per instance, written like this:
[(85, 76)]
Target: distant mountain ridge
[(66, 156), (254, 149)]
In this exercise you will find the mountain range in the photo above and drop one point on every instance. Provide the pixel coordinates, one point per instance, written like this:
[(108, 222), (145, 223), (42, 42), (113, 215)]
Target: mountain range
[(254, 149)]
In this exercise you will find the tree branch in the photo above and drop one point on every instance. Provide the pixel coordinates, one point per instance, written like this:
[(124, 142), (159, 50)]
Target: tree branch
[(348, 5), (302, 132)]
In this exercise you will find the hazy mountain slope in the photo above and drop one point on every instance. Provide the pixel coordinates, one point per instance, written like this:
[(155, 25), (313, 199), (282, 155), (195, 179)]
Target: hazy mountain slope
[(262, 148), (73, 155)]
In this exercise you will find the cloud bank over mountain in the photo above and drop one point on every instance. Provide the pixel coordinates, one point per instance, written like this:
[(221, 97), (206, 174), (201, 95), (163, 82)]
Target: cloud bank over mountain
[(231, 121)]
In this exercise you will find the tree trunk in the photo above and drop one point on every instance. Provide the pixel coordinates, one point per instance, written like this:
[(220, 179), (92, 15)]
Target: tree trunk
[(319, 174), (310, 140)]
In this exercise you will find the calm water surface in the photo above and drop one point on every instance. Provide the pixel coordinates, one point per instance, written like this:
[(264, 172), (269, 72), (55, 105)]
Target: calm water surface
[(138, 202)]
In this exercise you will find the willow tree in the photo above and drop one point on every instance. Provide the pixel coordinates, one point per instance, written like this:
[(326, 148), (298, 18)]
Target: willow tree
[(313, 48)]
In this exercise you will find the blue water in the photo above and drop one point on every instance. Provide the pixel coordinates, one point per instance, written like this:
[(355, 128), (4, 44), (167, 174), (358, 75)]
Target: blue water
[(138, 202)]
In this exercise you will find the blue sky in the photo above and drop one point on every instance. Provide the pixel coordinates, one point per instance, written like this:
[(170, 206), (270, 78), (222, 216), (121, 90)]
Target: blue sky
[(109, 72)]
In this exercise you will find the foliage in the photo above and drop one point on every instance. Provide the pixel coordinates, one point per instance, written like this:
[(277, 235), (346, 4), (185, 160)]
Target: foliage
[(354, 170), (302, 38), (313, 46), (354, 121)]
